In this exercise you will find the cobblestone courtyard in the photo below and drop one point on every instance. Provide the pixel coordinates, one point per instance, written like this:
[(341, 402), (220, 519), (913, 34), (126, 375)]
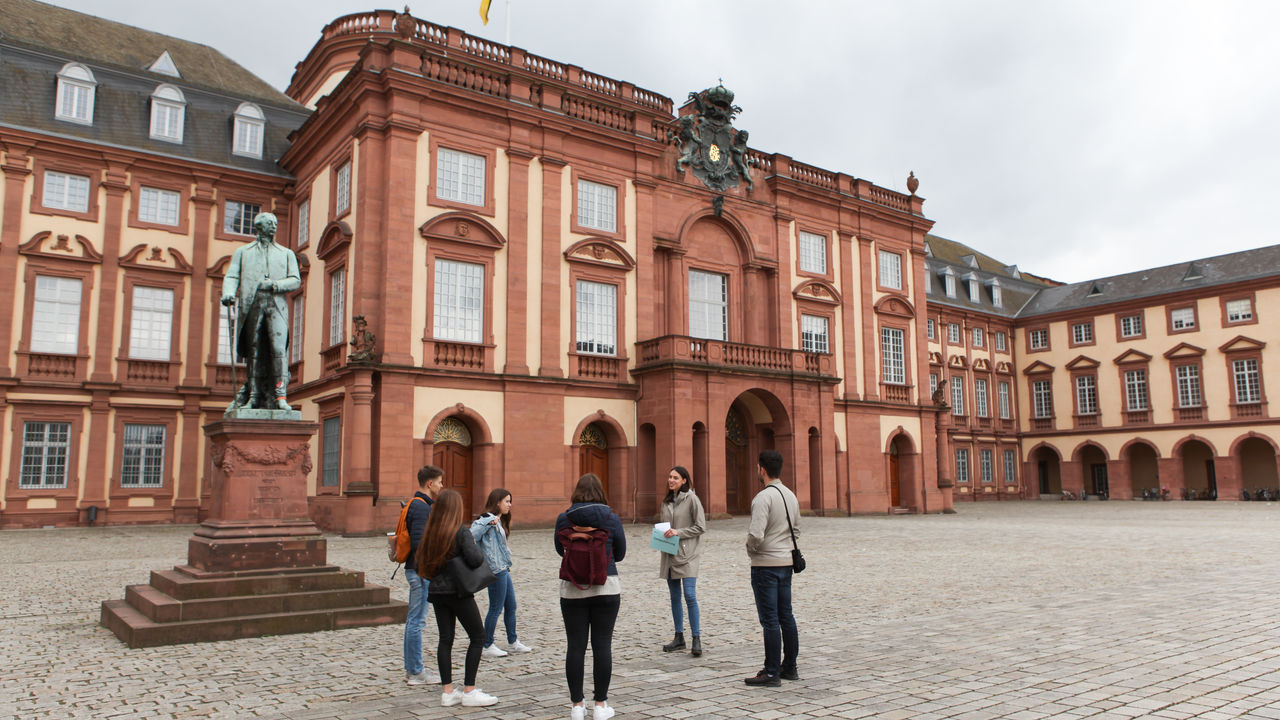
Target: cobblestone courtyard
[(1009, 610)]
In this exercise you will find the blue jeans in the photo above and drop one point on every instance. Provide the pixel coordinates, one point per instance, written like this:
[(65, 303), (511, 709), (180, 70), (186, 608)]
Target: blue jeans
[(690, 598), (502, 599), (415, 621), (772, 588)]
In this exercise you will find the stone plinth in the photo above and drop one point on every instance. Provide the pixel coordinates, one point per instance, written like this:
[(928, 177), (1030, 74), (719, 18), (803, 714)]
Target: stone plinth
[(257, 566)]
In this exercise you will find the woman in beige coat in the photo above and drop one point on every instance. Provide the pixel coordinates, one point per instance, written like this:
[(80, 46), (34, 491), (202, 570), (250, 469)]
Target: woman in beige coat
[(683, 510)]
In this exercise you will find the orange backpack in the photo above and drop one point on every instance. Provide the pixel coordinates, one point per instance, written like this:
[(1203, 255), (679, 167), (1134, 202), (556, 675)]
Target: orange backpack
[(398, 546)]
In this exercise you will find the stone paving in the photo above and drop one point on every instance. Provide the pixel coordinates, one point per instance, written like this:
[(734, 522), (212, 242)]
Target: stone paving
[(1020, 610)]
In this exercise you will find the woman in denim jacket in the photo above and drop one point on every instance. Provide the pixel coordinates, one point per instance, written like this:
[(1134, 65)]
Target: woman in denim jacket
[(490, 531)]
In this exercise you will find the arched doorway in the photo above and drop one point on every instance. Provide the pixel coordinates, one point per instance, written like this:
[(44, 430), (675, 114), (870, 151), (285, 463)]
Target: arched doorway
[(1258, 475), (1093, 467), (451, 451), (1199, 476), (738, 467), (1144, 471), (1048, 468), (593, 454)]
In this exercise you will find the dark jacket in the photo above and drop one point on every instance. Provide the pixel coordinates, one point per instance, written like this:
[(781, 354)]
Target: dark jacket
[(416, 519), (464, 546), (598, 516)]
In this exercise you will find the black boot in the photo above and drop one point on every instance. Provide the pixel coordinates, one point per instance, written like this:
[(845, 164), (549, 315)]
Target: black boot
[(676, 644), (696, 650)]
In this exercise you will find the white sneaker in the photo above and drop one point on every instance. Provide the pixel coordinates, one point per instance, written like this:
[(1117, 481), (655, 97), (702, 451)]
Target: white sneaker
[(602, 712), (418, 679), (578, 712), (494, 651), (519, 647), (478, 698), (449, 699)]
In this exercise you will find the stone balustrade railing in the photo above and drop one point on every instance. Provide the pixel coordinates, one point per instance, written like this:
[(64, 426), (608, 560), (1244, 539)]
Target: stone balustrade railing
[(681, 349)]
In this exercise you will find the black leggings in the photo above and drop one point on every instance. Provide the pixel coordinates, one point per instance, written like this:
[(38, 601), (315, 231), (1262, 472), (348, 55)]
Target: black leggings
[(594, 616), (463, 609)]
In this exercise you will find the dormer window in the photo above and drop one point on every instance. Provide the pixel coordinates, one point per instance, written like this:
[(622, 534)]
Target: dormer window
[(971, 282), (168, 107), (249, 124), (996, 295), (949, 277), (76, 86), (164, 65)]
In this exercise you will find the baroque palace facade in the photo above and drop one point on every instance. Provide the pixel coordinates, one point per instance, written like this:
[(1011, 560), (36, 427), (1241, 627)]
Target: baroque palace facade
[(523, 271)]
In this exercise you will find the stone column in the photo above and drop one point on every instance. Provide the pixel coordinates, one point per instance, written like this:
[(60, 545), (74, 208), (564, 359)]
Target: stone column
[(359, 488)]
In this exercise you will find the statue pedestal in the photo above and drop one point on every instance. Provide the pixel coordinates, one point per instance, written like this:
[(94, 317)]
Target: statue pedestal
[(257, 565)]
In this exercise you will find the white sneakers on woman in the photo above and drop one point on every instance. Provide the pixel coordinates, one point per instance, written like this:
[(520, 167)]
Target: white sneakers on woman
[(492, 651), (518, 647), (475, 698), (601, 712)]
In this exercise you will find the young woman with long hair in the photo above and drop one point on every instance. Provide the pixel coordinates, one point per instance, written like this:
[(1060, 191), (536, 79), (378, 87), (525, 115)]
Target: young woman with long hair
[(591, 611), (490, 531), (683, 510), (447, 537)]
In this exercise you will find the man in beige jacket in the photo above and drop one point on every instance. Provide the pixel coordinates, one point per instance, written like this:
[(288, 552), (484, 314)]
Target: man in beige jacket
[(769, 547)]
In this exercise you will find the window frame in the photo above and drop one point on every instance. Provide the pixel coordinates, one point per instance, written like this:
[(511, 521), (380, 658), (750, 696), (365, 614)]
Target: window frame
[(89, 85), (159, 279), (329, 414), (1128, 386), (1175, 367), (957, 396), (962, 465), (826, 334), (165, 418), (336, 317), (1080, 333), (619, 298), (1225, 301), (177, 105), (1195, 319), (244, 197), (931, 329), (42, 412), (248, 115), (1087, 382), (1031, 333), (728, 301), (343, 165), (982, 397), (904, 379), (825, 245), (986, 466), (1035, 382), (82, 271), (1009, 461), (977, 337), (65, 167), (302, 223), (954, 336), (455, 144), (1123, 315), (576, 178), (1001, 343), (1004, 399), (161, 182), (881, 285), (1246, 351)]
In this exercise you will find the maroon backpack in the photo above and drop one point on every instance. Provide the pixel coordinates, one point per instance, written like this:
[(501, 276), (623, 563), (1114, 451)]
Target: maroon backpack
[(586, 556)]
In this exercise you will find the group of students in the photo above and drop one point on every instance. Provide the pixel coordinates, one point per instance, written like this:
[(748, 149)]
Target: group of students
[(438, 532)]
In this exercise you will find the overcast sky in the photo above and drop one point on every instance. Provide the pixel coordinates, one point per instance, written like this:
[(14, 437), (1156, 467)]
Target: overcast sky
[(1075, 139)]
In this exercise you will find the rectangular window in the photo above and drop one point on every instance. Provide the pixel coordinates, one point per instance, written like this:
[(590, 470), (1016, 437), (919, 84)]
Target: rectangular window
[(997, 297), (985, 463), (977, 337), (459, 301), (1130, 326), (1002, 394), (597, 318), (1082, 333), (931, 329), (973, 290), (297, 318), (1042, 398), (338, 306), (329, 467), (158, 206), (224, 339), (142, 457), (342, 193), (1087, 395), (708, 305), (65, 192), (248, 137), (813, 253), (1245, 374), (75, 102), (950, 283), (304, 223), (1188, 385), (933, 383), (980, 397), (45, 447), (55, 317), (1010, 467), (962, 465), (953, 333), (957, 396), (813, 334), (1001, 341), (1239, 310), (893, 358), (1038, 339), (151, 324), (166, 121), (1182, 318), (460, 177), (890, 270), (237, 217), (1135, 390), (597, 206)]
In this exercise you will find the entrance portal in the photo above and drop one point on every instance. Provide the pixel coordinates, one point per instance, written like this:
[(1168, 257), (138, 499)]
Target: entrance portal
[(451, 452), (737, 463), (593, 455)]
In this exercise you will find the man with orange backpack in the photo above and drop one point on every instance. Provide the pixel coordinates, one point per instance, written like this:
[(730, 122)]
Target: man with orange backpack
[(430, 483)]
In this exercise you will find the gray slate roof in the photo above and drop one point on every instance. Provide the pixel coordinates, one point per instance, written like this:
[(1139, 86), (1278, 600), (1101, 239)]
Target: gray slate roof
[(962, 260)]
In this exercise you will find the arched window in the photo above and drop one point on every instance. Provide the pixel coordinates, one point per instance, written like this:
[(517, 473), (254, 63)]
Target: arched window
[(249, 125), (168, 108), (76, 86)]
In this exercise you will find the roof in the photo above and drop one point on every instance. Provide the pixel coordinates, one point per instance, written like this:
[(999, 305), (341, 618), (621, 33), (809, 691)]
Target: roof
[(1203, 273), (74, 35), (1016, 288)]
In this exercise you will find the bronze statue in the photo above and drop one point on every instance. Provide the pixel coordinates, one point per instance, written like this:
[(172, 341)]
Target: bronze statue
[(362, 341), (709, 144), (258, 278)]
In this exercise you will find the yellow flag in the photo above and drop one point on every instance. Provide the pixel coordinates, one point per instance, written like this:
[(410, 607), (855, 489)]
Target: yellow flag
[(484, 11)]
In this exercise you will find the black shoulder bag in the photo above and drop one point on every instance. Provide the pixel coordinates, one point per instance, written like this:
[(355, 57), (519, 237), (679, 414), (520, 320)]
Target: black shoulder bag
[(797, 560)]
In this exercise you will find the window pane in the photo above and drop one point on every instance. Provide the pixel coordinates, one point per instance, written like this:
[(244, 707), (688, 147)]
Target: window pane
[(1010, 467), (813, 253), (158, 206), (329, 469), (151, 324), (597, 206), (1183, 318), (986, 465), (813, 334), (460, 176), (962, 465), (55, 322), (708, 305), (1239, 310), (66, 192), (957, 396), (1042, 397), (891, 270), (45, 448), (597, 318), (1135, 389), (892, 354), (342, 200), (1248, 388), (248, 137), (224, 339), (1188, 386), (238, 217), (980, 397), (459, 301), (304, 223), (142, 459), (295, 333), (337, 306), (1003, 391), (1086, 395)]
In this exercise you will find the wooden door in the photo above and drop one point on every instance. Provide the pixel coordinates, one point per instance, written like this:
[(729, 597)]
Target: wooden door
[(895, 492), (455, 460), (592, 459), (738, 470)]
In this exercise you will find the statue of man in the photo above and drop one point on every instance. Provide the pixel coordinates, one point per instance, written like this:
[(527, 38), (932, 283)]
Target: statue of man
[(259, 276)]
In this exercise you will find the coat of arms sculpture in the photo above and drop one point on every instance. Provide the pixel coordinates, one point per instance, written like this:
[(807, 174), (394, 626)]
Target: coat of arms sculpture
[(710, 145)]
